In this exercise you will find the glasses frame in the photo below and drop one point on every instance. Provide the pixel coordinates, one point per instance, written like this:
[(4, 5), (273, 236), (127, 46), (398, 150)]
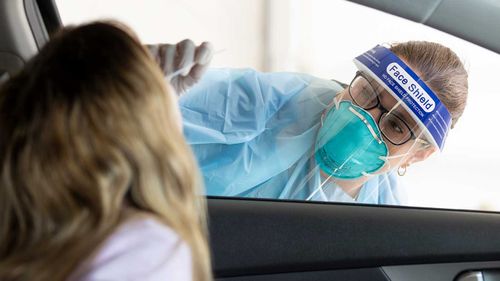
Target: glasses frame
[(384, 111)]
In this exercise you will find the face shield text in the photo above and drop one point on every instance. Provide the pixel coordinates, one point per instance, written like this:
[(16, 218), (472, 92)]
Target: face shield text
[(418, 94)]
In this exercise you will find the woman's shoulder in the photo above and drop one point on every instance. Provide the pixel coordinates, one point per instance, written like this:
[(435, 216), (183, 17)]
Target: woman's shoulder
[(141, 248), (143, 232)]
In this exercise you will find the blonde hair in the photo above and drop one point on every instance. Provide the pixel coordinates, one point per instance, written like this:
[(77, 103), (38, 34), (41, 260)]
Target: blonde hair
[(88, 127), (441, 69)]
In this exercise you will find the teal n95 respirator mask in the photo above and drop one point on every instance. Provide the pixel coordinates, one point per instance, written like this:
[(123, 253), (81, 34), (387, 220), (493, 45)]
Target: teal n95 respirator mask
[(349, 144)]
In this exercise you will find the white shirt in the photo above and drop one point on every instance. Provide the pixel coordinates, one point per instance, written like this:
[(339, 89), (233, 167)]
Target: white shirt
[(140, 249)]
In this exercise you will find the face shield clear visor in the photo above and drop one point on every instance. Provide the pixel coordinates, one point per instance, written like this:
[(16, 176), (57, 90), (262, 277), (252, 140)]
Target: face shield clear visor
[(366, 131)]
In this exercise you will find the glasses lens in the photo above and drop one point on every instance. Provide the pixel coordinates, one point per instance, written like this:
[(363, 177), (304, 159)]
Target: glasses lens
[(362, 93), (394, 128)]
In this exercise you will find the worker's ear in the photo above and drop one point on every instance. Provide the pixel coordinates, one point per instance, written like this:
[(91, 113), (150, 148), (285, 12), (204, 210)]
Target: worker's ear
[(419, 155)]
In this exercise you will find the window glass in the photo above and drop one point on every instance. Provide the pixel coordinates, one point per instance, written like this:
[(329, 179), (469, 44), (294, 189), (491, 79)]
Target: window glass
[(319, 38)]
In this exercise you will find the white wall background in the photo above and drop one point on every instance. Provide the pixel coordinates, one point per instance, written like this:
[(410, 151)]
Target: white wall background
[(321, 37), (234, 27)]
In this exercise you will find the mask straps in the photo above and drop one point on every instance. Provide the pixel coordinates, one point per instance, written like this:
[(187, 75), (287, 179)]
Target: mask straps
[(334, 102), (367, 124), (385, 158)]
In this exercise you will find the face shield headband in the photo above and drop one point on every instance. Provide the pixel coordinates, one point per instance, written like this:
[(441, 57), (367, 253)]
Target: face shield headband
[(418, 99)]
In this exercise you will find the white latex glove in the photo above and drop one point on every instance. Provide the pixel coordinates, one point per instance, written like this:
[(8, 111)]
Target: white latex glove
[(184, 63)]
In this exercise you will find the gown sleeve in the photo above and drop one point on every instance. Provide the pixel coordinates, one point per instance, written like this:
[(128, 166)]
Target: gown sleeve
[(231, 106)]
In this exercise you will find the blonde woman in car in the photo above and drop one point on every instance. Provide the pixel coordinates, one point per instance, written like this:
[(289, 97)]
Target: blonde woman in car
[(97, 181)]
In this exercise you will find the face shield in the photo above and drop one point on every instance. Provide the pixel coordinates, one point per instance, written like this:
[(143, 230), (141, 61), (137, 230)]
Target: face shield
[(386, 116)]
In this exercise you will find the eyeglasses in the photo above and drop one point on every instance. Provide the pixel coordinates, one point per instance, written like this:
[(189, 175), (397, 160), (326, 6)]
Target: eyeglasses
[(393, 127)]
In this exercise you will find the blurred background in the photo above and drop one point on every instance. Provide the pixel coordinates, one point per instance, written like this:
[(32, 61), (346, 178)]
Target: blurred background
[(321, 37)]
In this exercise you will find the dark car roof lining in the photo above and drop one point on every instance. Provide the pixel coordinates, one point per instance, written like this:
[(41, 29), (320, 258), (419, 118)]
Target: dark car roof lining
[(43, 18), (49, 14), (477, 21), (25, 26)]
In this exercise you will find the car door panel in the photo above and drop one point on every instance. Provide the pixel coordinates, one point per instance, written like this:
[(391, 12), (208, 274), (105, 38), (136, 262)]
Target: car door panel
[(360, 274), (259, 237)]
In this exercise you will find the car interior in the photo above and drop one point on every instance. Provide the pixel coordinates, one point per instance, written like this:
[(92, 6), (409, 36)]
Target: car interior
[(289, 240)]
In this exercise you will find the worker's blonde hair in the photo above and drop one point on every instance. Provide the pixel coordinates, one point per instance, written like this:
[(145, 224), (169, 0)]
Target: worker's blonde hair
[(87, 128)]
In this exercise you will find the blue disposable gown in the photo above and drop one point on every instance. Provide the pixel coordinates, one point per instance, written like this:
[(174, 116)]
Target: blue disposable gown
[(253, 135)]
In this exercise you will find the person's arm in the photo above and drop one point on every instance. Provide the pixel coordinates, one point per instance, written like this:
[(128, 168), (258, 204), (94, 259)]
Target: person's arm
[(233, 105)]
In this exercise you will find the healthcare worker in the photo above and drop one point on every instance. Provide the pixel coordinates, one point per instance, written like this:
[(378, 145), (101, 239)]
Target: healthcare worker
[(295, 136)]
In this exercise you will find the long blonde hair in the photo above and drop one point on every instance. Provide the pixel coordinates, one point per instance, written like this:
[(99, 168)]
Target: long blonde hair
[(87, 127)]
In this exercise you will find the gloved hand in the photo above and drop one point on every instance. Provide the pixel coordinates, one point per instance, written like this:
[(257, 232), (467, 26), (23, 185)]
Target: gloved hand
[(184, 63)]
